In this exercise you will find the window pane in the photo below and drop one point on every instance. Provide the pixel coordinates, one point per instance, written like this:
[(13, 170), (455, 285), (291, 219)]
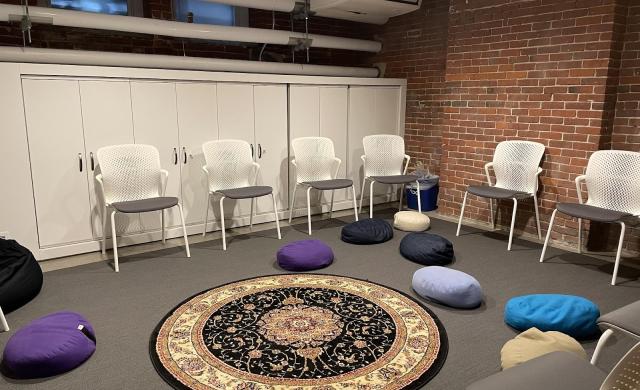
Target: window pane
[(113, 7), (204, 12)]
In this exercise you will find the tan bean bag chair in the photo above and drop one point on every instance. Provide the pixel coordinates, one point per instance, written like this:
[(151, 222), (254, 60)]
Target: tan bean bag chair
[(411, 221), (533, 343)]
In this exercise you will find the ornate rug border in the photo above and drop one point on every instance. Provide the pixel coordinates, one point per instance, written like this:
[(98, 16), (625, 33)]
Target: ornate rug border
[(415, 385)]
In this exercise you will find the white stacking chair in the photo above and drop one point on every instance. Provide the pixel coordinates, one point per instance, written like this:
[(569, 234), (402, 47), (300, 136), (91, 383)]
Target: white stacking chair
[(132, 181), (317, 167), (516, 165), (613, 187), (385, 162), (3, 321), (232, 173)]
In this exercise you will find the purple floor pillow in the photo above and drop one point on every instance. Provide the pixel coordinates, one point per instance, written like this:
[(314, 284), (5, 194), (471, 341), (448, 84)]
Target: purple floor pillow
[(51, 345), (304, 255)]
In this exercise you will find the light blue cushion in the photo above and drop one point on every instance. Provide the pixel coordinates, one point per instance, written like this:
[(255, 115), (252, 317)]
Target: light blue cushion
[(572, 315), (447, 286)]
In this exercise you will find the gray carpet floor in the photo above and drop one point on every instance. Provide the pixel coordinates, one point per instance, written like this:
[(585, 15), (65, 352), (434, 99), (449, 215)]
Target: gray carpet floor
[(124, 308)]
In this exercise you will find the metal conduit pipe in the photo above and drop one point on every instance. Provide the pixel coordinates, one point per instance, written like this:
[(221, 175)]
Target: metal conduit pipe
[(100, 58), (61, 17), (270, 5)]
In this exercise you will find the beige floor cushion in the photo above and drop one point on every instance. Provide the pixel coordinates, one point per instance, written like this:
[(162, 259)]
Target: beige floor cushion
[(411, 221), (533, 343)]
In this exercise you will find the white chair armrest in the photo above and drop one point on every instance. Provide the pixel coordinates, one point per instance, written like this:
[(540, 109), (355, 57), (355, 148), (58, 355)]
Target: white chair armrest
[(101, 187), (164, 178), (579, 181), (293, 162), (486, 171), (538, 172), (406, 164), (337, 162), (256, 168)]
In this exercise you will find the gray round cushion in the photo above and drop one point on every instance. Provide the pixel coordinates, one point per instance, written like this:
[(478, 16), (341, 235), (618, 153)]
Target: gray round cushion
[(447, 286), (367, 232), (427, 249)]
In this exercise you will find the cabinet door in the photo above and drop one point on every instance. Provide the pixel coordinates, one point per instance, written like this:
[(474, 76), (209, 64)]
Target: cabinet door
[(155, 122), (304, 111), (235, 121), (56, 149), (334, 103), (362, 122), (270, 102), (387, 110), (198, 123), (106, 116)]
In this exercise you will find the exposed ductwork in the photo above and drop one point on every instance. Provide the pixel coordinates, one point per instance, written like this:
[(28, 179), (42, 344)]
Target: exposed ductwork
[(100, 58), (60, 17), (271, 5)]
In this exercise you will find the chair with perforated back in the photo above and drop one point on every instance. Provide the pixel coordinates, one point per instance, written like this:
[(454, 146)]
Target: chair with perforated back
[(232, 173), (317, 168), (613, 187), (516, 165), (131, 181), (385, 162)]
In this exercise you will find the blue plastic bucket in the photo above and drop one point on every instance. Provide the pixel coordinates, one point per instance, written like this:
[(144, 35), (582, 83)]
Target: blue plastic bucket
[(428, 194)]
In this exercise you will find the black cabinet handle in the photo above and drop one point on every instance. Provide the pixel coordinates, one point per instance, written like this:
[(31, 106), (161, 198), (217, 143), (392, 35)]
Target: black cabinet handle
[(252, 153), (80, 161), (175, 156), (93, 165), (259, 151), (184, 152)]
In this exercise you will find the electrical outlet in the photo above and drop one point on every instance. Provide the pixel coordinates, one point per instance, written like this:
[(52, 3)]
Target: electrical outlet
[(4, 235)]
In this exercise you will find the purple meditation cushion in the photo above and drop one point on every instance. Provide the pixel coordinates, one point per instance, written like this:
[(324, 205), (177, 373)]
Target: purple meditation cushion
[(304, 255), (50, 345)]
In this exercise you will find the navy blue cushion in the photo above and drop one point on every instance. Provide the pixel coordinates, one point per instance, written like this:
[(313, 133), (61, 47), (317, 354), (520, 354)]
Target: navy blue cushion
[(367, 231), (572, 315), (427, 249)]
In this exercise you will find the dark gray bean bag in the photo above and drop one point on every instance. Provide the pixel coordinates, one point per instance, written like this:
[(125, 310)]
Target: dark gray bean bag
[(20, 276), (367, 232), (427, 249)]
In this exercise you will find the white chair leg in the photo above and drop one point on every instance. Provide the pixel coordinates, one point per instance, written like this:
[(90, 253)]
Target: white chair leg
[(355, 203), (3, 321), (293, 202), (493, 218), (206, 214), (418, 194), (115, 241), (579, 235), (535, 207), (331, 207), (253, 201), (364, 181), (464, 202), (184, 230), (309, 209), (513, 222), (275, 214), (601, 342), (371, 199), (546, 240), (104, 229), (163, 233), (401, 191), (616, 266), (224, 238)]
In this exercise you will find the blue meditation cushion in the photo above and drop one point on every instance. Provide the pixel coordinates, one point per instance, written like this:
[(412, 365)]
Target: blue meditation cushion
[(427, 249), (447, 286), (569, 314)]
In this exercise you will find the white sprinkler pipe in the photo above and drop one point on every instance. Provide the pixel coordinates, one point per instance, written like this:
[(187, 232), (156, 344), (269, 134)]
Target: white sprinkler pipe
[(271, 5), (101, 58), (61, 17)]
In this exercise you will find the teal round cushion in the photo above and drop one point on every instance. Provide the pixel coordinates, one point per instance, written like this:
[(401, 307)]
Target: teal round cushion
[(569, 314)]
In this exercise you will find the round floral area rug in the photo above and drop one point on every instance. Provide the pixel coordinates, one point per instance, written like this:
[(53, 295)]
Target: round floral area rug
[(303, 331)]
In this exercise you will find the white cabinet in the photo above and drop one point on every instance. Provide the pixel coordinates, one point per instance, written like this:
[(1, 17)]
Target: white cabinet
[(197, 124), (106, 117), (58, 165)]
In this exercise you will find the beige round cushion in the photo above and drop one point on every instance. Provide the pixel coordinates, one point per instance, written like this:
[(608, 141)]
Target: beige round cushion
[(533, 343), (411, 221)]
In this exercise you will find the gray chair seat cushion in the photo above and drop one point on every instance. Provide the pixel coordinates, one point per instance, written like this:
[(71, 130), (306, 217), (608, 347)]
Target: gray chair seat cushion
[(395, 179), (553, 371), (144, 205), (333, 184), (247, 192), (590, 212), (495, 192), (626, 318)]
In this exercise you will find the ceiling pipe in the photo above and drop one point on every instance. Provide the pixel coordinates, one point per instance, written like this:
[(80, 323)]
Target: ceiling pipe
[(61, 17), (101, 58), (270, 5)]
